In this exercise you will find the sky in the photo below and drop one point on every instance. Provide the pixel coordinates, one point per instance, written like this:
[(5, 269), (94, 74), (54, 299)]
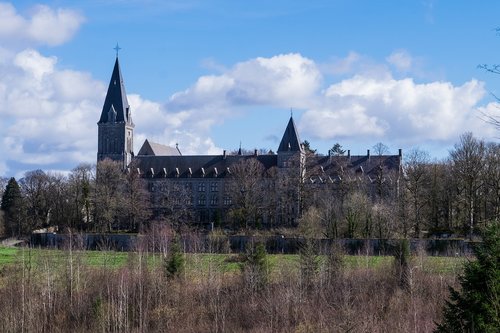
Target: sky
[(209, 74)]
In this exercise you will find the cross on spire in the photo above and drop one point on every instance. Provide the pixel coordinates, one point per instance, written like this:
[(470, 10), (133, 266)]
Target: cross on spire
[(117, 48)]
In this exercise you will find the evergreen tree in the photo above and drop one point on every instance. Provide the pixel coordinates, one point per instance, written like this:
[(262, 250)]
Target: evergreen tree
[(307, 147), (174, 263), (337, 150), (475, 308), (12, 206), (255, 267)]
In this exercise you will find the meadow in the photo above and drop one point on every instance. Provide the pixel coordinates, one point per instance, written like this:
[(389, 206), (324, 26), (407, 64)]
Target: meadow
[(43, 290)]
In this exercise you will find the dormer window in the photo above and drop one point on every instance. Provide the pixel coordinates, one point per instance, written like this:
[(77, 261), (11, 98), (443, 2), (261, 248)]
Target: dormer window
[(112, 114)]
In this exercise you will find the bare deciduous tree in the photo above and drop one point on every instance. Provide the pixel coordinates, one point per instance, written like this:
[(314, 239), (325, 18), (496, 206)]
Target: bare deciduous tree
[(107, 198), (416, 177), (468, 163), (245, 186), (136, 200)]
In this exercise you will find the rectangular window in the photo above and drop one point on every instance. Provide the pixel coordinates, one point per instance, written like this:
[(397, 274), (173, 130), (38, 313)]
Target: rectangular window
[(227, 200), (214, 187), (214, 200), (201, 187), (202, 200)]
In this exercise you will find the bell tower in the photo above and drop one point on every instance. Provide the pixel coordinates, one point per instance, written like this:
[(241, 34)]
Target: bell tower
[(115, 127)]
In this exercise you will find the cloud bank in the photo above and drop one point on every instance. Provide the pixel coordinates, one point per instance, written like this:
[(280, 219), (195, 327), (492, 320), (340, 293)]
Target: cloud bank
[(49, 114)]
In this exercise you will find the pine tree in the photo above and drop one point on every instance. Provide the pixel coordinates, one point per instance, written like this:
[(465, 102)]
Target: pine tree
[(12, 206), (174, 263), (255, 267), (475, 308)]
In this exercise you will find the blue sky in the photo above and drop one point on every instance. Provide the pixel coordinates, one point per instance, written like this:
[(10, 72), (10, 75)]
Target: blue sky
[(209, 74)]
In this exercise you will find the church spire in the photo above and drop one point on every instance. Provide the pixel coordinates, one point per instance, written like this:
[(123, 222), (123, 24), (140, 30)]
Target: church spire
[(116, 99), (290, 141), (115, 127)]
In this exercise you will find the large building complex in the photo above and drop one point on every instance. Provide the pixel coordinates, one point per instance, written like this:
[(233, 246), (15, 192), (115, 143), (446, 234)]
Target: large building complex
[(207, 187)]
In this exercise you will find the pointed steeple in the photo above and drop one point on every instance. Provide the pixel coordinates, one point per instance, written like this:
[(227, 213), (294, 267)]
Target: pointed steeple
[(116, 99), (290, 141), (115, 129)]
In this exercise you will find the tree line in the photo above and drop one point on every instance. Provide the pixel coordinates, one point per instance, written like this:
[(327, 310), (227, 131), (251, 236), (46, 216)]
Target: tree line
[(454, 196)]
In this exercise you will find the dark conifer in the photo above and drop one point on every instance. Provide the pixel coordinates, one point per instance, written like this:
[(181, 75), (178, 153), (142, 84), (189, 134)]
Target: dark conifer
[(475, 308), (12, 205)]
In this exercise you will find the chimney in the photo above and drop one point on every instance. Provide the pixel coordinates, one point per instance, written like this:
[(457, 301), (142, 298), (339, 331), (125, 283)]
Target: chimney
[(348, 153), (400, 152), (224, 154), (255, 152), (368, 153)]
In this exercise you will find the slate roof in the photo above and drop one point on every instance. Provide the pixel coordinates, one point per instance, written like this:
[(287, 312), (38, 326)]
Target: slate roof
[(290, 140), (156, 149), (116, 98), (336, 167), (201, 166), (195, 166)]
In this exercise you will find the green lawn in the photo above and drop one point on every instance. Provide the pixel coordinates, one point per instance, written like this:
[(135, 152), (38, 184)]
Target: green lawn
[(202, 262)]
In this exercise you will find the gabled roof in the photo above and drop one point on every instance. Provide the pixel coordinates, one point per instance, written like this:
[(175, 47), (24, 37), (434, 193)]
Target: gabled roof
[(116, 97), (290, 140), (156, 149)]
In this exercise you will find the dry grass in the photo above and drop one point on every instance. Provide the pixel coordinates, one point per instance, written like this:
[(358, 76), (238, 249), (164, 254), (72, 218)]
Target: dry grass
[(44, 292)]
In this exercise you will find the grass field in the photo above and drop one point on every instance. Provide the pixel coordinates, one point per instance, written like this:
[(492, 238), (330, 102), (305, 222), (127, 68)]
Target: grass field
[(203, 261)]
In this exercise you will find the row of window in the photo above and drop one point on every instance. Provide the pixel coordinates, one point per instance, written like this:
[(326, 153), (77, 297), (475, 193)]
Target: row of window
[(167, 187), (214, 187), (214, 200), (202, 200)]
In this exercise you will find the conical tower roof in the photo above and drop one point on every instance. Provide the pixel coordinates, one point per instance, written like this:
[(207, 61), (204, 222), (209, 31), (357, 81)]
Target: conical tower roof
[(116, 98), (290, 140)]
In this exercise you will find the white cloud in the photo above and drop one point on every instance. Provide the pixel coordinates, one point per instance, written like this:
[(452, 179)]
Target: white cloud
[(43, 25), (34, 64), (396, 110), (45, 111), (401, 59), (289, 79)]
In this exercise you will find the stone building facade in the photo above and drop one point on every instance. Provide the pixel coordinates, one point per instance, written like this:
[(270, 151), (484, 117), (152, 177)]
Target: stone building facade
[(206, 188)]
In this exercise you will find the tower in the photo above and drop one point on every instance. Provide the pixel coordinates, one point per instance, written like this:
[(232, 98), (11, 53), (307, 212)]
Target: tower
[(290, 148), (115, 127), (291, 166)]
